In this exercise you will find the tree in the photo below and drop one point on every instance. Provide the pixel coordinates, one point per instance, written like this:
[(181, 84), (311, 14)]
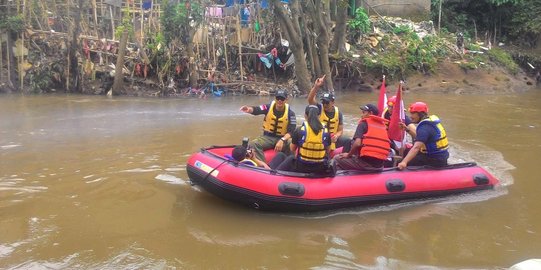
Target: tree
[(339, 38), (526, 23), (489, 16), (318, 12), (312, 18), (292, 29), (73, 83), (12, 25), (180, 21), (119, 67)]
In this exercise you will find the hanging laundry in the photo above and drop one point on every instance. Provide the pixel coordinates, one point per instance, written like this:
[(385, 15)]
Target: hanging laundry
[(269, 57), (244, 16), (214, 12), (147, 4)]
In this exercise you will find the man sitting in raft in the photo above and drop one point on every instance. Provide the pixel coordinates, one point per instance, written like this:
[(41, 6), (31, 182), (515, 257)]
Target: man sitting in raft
[(278, 124), (330, 116), (371, 145), (431, 145)]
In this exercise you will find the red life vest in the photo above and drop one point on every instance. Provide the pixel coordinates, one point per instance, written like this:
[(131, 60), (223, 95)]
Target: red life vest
[(375, 142)]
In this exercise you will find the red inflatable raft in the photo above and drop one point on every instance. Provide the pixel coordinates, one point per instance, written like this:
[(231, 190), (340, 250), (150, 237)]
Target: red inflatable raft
[(288, 191)]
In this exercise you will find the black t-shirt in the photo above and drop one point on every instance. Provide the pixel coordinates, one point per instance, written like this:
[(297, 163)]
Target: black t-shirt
[(362, 128)]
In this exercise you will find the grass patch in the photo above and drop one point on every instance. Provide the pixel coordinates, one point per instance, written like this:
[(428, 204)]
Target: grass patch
[(503, 58)]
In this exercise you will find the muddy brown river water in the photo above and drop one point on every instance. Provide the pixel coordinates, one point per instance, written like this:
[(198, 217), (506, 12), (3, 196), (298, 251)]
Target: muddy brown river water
[(100, 183)]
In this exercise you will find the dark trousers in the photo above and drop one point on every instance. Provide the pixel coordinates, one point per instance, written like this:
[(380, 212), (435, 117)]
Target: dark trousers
[(358, 163), (292, 164), (344, 141), (423, 159), (277, 160)]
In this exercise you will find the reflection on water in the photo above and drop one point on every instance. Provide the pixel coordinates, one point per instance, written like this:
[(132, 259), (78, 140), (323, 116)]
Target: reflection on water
[(98, 183)]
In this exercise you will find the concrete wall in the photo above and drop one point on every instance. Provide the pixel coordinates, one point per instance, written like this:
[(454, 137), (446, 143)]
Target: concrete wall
[(412, 9)]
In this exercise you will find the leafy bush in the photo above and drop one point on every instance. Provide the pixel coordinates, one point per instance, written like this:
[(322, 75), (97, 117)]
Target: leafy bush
[(178, 19), (12, 23), (361, 22), (401, 29), (502, 57)]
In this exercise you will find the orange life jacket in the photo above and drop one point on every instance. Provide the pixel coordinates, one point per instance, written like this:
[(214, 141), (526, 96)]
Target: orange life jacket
[(375, 142)]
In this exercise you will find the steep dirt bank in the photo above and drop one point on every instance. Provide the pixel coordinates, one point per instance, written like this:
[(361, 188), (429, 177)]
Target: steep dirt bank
[(450, 78)]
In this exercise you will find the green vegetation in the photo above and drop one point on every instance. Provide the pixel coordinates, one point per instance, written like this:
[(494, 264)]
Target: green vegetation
[(126, 24), (495, 20), (526, 24), (179, 19), (502, 57), (407, 53), (361, 22), (390, 63), (402, 29), (13, 23)]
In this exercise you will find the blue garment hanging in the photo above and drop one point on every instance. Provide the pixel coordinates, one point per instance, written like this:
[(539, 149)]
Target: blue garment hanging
[(147, 4)]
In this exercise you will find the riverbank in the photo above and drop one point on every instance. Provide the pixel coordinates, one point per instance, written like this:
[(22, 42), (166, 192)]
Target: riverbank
[(398, 48), (448, 77)]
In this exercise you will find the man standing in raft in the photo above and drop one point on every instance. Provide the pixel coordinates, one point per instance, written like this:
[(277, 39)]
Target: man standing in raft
[(430, 146), (278, 124), (330, 116)]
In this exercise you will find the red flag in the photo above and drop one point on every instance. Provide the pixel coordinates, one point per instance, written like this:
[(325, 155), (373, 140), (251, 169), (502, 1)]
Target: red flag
[(382, 101), (397, 116)]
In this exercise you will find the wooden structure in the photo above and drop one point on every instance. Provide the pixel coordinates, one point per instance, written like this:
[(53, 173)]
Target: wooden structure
[(226, 43)]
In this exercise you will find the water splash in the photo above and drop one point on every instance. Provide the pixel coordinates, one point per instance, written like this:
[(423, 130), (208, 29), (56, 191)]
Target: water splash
[(490, 159), (171, 179)]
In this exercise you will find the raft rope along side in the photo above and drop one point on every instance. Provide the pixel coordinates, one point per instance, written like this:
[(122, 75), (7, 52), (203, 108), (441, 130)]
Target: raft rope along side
[(209, 173)]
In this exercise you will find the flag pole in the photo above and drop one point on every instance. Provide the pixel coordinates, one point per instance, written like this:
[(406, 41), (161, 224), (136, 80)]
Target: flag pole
[(382, 99), (402, 144)]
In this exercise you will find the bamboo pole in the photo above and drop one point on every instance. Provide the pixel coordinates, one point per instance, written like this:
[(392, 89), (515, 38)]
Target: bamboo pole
[(1, 59), (21, 53), (55, 7), (225, 48), (21, 59), (240, 48), (112, 22), (68, 58), (208, 45), (151, 15), (214, 50), (142, 22), (44, 9), (94, 8), (9, 57)]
